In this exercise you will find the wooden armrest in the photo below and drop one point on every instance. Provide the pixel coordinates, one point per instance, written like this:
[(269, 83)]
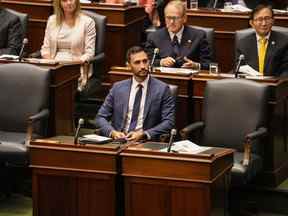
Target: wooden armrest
[(248, 144), (185, 132)]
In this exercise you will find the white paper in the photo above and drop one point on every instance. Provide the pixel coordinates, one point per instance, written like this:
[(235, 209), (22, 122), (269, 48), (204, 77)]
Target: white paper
[(41, 60), (249, 70), (185, 71), (9, 57), (96, 138), (186, 146), (85, 1), (277, 11), (236, 8)]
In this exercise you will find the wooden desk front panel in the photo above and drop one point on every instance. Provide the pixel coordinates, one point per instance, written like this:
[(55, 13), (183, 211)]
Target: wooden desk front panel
[(64, 82), (73, 180), (170, 184), (159, 197), (59, 192)]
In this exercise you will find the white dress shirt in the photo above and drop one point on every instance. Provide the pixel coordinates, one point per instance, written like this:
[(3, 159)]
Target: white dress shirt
[(133, 91)]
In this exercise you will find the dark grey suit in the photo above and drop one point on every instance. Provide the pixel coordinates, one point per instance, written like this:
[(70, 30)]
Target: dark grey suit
[(11, 33), (276, 59), (194, 45), (159, 109)]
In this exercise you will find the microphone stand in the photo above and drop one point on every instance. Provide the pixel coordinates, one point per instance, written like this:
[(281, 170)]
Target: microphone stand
[(172, 135), (80, 123), (240, 59)]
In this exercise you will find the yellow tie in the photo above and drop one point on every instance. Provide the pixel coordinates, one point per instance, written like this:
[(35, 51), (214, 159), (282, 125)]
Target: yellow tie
[(261, 54)]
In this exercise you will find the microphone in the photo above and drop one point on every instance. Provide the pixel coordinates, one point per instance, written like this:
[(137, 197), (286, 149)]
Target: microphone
[(215, 4), (24, 43), (240, 59), (172, 135), (80, 124), (155, 53)]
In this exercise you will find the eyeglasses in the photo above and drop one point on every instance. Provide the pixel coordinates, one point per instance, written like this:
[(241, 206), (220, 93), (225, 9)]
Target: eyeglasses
[(267, 19), (173, 18)]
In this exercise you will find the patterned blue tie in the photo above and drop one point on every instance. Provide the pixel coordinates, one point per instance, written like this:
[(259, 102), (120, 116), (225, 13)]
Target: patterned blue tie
[(136, 108), (176, 46)]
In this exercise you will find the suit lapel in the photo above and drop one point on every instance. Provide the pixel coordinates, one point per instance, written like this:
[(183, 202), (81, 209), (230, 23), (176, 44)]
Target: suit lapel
[(168, 43), (269, 54), (148, 101), (186, 43), (125, 102), (252, 50)]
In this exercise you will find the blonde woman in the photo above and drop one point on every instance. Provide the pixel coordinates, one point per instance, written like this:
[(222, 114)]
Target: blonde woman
[(70, 36)]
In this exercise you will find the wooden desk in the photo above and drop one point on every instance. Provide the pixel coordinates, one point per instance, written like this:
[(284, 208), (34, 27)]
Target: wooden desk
[(276, 145), (124, 25), (161, 183), (63, 86), (71, 180), (184, 91), (190, 105), (225, 24)]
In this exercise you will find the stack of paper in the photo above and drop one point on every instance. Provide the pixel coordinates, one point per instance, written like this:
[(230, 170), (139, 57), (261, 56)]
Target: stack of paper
[(186, 146), (93, 138)]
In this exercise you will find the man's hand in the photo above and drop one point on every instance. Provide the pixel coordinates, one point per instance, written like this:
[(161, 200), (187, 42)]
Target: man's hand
[(190, 64), (135, 135), (117, 134), (167, 62)]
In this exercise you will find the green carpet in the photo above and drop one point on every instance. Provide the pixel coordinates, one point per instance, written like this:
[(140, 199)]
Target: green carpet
[(16, 205)]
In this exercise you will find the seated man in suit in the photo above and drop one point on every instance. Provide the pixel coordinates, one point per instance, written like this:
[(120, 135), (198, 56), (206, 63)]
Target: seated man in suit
[(265, 50), (179, 45), (11, 34), (139, 108)]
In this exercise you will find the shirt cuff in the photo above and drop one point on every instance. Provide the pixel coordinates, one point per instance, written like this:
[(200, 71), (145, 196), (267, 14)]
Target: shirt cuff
[(147, 135)]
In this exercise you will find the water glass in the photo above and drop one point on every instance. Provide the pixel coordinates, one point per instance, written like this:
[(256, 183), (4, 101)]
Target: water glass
[(228, 6), (213, 68), (193, 4)]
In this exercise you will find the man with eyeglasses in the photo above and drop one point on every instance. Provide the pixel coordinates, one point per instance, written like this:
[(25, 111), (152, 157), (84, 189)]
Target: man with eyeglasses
[(264, 50), (179, 45)]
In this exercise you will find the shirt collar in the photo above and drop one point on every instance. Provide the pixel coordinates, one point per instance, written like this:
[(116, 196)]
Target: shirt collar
[(178, 34), (258, 37), (135, 83)]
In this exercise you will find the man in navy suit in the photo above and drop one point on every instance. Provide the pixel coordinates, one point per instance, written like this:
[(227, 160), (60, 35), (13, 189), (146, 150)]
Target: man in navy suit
[(11, 34), (179, 45), (155, 113), (276, 55)]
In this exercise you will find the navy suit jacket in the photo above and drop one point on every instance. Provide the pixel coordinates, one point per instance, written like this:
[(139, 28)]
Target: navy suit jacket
[(276, 58), (159, 109), (194, 45), (11, 33)]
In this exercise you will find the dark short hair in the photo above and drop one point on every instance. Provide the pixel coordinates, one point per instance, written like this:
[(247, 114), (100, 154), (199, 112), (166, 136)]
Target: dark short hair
[(259, 8), (133, 50)]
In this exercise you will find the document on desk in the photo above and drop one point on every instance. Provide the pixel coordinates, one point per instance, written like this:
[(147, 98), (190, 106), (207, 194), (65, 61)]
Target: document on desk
[(41, 61), (247, 69), (9, 57), (186, 146), (183, 71), (94, 138)]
